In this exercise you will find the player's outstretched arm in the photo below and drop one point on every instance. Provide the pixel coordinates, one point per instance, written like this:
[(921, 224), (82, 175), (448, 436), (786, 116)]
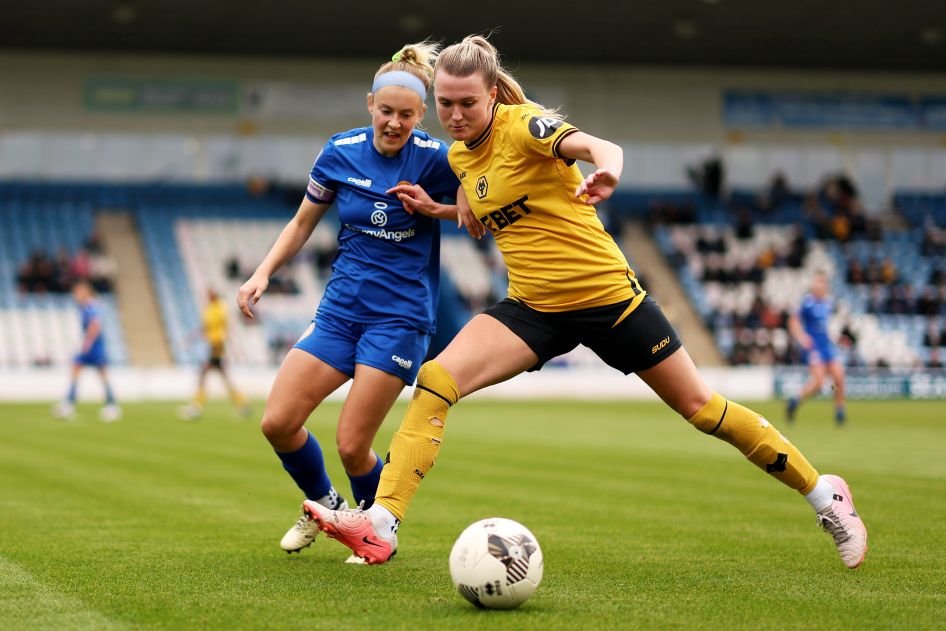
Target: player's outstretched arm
[(607, 156), (415, 199), (287, 245)]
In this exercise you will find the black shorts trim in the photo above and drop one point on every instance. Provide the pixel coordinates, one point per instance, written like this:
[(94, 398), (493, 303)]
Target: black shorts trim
[(640, 341)]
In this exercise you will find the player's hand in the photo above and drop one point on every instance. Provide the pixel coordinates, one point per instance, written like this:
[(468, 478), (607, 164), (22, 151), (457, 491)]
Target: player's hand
[(250, 293), (416, 200), (807, 342), (598, 186), (466, 219)]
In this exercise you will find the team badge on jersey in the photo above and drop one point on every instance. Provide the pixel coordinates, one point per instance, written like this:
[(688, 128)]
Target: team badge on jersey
[(542, 127), (482, 187)]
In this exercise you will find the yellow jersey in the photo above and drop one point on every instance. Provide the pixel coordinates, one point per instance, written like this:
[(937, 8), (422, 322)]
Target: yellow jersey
[(215, 322), (558, 255)]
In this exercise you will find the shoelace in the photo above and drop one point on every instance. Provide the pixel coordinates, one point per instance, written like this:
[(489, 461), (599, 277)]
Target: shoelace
[(833, 526)]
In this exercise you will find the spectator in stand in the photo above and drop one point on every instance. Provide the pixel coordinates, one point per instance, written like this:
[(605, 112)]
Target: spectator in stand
[(798, 248), (934, 360), (37, 275), (938, 274), (855, 272), (94, 244), (934, 243), (873, 271), (888, 272), (928, 303), (933, 336), (745, 229), (102, 270), (80, 265), (901, 300), (778, 192)]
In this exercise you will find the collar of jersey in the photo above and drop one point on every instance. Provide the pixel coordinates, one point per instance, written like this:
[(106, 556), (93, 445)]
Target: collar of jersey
[(486, 132)]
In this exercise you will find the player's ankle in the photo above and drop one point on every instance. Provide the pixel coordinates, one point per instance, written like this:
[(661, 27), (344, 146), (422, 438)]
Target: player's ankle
[(382, 518), (821, 496)]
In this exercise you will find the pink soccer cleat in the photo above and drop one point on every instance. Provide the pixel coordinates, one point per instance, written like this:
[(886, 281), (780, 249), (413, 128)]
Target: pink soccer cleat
[(842, 522), (356, 530)]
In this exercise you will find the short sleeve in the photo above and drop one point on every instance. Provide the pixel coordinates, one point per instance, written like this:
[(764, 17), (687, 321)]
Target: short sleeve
[(540, 134), (322, 183)]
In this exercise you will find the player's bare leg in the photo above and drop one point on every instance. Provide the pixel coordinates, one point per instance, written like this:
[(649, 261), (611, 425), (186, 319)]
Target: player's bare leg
[(677, 381), (236, 396), (66, 409), (483, 353), (302, 383), (816, 372), (836, 370)]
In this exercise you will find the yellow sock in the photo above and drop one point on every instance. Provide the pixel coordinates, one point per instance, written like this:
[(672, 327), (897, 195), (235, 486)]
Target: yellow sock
[(761, 443), (417, 442), (237, 397), (200, 398)]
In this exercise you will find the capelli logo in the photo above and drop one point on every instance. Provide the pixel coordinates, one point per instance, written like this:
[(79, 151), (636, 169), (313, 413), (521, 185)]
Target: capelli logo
[(403, 363), (366, 182)]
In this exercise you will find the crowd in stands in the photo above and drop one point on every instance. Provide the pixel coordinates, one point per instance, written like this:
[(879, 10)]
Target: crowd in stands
[(833, 213), (55, 273), (281, 282)]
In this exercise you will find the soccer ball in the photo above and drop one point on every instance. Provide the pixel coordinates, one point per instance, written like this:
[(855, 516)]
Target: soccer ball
[(496, 563)]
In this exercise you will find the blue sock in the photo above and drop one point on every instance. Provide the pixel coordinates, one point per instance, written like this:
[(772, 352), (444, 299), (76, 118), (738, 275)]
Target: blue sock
[(109, 395), (364, 487), (71, 395), (307, 468)]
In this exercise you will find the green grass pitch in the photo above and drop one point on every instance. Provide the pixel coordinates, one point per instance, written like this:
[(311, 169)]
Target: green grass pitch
[(153, 523)]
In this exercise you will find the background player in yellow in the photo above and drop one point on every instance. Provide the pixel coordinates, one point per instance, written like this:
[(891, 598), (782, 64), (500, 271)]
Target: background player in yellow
[(214, 327), (569, 285)]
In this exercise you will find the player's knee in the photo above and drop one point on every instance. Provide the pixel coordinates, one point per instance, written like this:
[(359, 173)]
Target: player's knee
[(275, 429), (427, 372), (690, 404)]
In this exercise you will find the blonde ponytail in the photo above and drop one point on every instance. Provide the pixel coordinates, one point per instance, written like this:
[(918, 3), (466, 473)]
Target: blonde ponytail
[(475, 54)]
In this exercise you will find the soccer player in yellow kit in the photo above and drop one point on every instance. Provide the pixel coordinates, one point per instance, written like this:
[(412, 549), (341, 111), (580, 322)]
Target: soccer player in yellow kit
[(214, 326), (569, 284)]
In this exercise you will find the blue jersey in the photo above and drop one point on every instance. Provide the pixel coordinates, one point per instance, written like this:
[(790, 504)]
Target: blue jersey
[(90, 313), (815, 315), (388, 262)]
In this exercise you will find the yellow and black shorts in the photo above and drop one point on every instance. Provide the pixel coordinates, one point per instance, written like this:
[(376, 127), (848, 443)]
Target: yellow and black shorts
[(640, 341), (215, 357)]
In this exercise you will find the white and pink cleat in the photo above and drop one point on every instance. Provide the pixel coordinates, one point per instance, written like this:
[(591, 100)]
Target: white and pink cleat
[(355, 529), (841, 521)]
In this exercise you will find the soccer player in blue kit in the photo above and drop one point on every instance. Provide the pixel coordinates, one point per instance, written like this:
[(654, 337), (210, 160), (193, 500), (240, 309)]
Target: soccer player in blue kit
[(810, 328), (376, 318), (91, 354)]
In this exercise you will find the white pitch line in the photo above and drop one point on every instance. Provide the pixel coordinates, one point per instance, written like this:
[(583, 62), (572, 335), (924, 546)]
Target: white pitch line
[(26, 603)]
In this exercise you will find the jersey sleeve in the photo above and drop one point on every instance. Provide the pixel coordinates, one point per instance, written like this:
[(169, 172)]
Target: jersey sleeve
[(539, 134), (440, 180), (322, 182)]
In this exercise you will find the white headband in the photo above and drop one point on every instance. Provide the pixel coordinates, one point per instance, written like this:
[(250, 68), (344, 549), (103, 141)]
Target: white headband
[(402, 79)]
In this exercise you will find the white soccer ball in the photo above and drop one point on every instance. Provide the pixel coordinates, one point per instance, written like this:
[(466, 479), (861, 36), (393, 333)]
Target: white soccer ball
[(496, 563)]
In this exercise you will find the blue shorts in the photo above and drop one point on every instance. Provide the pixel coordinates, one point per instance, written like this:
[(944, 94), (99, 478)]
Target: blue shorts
[(92, 358), (822, 354), (395, 348)]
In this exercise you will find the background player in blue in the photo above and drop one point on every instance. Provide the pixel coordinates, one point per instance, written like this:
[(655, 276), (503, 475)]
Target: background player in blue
[(375, 320), (92, 353), (809, 326)]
